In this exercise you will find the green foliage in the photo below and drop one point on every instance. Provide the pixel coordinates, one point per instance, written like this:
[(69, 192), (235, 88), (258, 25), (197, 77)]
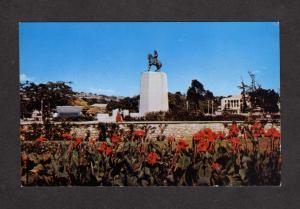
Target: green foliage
[(128, 103), (265, 98), (44, 97), (196, 94), (65, 162)]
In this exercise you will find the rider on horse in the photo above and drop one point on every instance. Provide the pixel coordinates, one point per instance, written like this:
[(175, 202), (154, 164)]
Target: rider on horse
[(153, 60)]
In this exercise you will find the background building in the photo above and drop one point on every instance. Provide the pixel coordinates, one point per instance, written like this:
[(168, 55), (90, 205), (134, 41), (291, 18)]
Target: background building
[(232, 104)]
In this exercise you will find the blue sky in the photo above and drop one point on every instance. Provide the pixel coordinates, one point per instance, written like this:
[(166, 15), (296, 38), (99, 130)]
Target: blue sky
[(108, 58)]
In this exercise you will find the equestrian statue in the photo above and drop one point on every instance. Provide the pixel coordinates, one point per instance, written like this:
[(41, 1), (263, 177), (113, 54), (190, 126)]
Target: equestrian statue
[(153, 60)]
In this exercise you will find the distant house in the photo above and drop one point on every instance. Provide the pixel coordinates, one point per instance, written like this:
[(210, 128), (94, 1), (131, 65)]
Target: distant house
[(232, 104), (68, 111), (100, 106), (36, 115)]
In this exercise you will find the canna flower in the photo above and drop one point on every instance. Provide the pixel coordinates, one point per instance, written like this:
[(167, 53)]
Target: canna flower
[(202, 146), (220, 135), (233, 129), (235, 142), (152, 158), (102, 147), (198, 136), (67, 136), (208, 131), (108, 151), (181, 145), (216, 166), (115, 138), (245, 136), (41, 139), (272, 132), (211, 137), (207, 134), (262, 131), (276, 134), (78, 141), (139, 133)]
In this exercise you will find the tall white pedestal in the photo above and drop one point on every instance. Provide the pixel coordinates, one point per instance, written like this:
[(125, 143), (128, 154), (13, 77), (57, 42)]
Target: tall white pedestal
[(153, 93)]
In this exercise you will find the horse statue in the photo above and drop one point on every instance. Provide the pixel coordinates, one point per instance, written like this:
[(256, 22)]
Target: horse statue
[(154, 61)]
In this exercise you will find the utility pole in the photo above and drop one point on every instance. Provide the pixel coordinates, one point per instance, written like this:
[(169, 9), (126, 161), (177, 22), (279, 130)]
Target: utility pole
[(212, 107)]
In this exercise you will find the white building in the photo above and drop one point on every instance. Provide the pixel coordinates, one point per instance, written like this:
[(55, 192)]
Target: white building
[(106, 118), (68, 111), (232, 104), (102, 106)]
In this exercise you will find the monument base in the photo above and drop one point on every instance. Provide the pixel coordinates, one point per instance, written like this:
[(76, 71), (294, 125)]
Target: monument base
[(153, 93)]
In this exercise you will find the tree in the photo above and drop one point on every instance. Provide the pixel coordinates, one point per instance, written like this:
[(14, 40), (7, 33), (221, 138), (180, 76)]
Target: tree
[(197, 95), (177, 101), (243, 87), (44, 97), (128, 103), (265, 98), (253, 81)]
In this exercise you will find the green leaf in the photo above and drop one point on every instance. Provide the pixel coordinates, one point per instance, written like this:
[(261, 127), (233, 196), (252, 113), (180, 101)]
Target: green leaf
[(184, 161)]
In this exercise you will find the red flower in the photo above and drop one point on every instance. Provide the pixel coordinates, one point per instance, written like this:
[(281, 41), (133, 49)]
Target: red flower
[(216, 166), (181, 145), (257, 130), (211, 137), (102, 147), (276, 134), (67, 136), (220, 135), (272, 132), (262, 131), (256, 126), (78, 141), (256, 135), (235, 142), (115, 138), (152, 158), (41, 139), (202, 146), (233, 129), (108, 151), (198, 136), (246, 136), (138, 133), (208, 131)]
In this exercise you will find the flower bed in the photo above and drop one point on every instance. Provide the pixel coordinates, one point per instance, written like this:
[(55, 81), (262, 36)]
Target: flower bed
[(244, 154)]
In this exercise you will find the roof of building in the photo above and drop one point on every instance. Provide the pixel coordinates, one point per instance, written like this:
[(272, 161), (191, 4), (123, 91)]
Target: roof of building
[(69, 109), (234, 97)]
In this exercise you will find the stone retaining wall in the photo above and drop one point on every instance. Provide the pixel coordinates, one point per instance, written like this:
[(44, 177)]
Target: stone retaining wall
[(177, 130)]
